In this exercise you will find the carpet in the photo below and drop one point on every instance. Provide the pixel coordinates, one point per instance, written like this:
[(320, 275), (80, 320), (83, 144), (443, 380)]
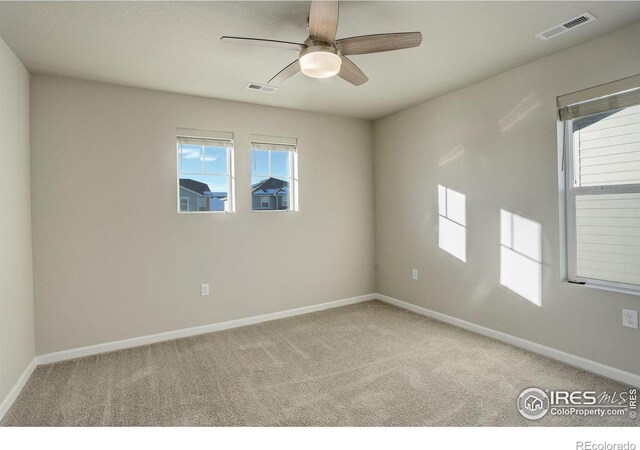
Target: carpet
[(368, 364)]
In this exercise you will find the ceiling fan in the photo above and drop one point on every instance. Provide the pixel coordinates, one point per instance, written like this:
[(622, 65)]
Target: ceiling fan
[(321, 56)]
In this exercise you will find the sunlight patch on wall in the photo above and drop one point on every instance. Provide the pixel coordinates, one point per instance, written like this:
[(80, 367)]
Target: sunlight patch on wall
[(519, 112), (521, 256), (452, 222), (452, 155)]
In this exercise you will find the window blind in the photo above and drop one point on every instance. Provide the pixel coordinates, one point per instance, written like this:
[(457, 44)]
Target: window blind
[(278, 143), (203, 141), (269, 146), (204, 134), (598, 99)]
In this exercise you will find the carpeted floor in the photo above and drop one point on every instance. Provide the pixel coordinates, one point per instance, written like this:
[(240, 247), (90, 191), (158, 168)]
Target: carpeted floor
[(365, 364)]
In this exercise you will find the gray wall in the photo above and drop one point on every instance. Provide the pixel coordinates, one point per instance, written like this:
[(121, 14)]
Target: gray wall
[(496, 142), (110, 265), (16, 274)]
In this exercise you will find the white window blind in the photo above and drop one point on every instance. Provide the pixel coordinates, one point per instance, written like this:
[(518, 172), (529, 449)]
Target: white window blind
[(598, 99)]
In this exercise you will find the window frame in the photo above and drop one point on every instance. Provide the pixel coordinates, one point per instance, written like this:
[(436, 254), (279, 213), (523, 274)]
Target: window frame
[(289, 145), (570, 194), (227, 137)]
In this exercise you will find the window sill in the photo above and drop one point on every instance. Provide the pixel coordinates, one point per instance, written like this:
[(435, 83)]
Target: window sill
[(206, 212), (273, 211), (611, 287)]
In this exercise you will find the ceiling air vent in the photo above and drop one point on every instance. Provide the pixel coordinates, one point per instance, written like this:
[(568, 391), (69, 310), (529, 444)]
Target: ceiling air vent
[(261, 87), (570, 24)]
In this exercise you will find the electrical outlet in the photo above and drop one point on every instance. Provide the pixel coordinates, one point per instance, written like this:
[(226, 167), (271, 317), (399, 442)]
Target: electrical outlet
[(630, 318), (204, 289), (414, 274)]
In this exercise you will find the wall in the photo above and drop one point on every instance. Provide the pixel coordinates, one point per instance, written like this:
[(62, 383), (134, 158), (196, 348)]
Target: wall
[(114, 260), (496, 142), (16, 273)]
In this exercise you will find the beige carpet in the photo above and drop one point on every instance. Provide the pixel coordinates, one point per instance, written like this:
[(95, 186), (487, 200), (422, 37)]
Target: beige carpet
[(365, 364)]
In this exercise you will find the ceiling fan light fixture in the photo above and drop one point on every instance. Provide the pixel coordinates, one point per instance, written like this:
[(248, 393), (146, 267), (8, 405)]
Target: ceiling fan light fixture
[(323, 62)]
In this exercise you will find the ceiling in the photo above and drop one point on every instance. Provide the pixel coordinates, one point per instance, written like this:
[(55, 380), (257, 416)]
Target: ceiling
[(175, 46)]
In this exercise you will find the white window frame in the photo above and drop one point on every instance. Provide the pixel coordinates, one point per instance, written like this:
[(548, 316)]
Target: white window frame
[(187, 200), (227, 138), (592, 100), (279, 143), (262, 201)]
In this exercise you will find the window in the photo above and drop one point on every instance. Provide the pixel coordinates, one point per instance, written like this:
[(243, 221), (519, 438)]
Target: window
[(274, 174), (602, 184), (452, 222), (205, 171)]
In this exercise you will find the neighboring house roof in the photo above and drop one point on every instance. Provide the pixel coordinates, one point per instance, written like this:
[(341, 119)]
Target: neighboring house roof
[(270, 186), (195, 186)]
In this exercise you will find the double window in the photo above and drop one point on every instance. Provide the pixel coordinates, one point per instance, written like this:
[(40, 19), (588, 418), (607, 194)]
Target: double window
[(602, 184), (205, 171)]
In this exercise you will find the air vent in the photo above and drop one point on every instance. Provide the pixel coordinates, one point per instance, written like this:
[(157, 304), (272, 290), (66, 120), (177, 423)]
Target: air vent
[(261, 87), (566, 26)]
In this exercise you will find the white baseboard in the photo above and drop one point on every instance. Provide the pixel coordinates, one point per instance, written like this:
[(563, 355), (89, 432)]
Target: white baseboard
[(176, 334), (17, 388), (573, 360)]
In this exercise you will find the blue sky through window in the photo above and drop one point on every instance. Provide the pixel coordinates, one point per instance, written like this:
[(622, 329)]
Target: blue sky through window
[(270, 163), (206, 164), (209, 165)]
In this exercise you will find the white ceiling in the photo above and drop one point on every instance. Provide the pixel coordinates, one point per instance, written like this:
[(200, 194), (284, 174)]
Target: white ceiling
[(175, 46)]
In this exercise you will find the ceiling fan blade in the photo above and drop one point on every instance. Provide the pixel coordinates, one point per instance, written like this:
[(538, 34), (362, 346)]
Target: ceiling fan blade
[(350, 72), (285, 73), (323, 21), (375, 43), (264, 42)]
